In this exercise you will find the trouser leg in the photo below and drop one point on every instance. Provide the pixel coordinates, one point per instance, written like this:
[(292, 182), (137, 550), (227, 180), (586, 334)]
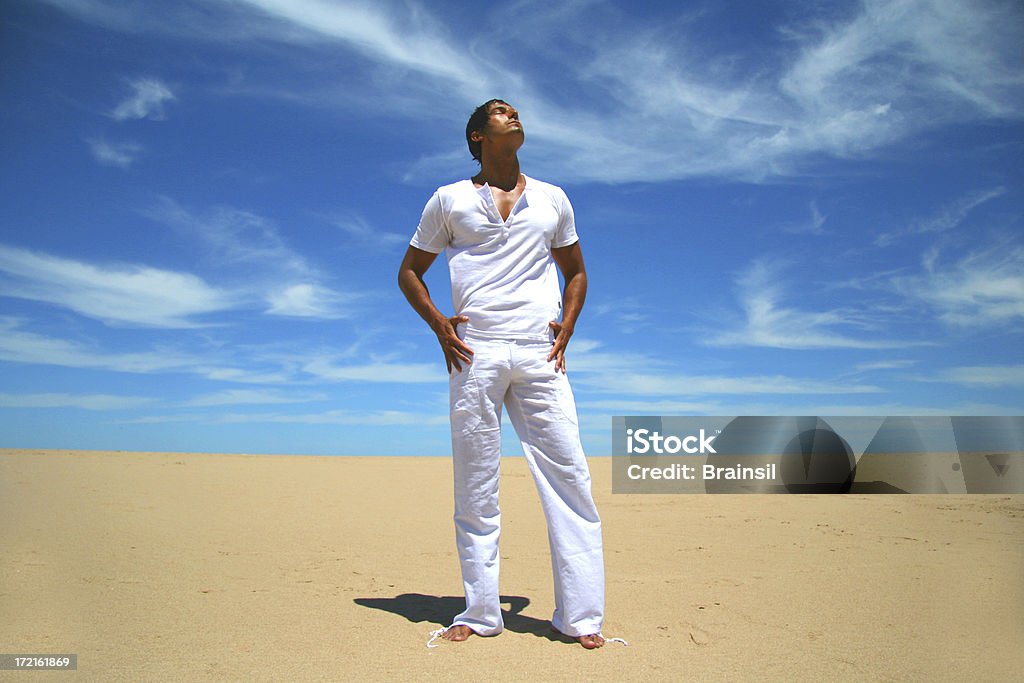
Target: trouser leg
[(541, 408), (475, 395)]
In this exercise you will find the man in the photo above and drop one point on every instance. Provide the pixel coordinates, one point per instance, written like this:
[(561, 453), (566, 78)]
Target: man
[(504, 235)]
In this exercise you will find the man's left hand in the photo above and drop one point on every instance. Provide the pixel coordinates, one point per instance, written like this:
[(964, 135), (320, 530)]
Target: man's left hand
[(562, 334)]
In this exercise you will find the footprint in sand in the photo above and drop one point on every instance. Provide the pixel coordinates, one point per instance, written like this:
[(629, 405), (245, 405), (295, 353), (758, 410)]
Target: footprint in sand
[(699, 636)]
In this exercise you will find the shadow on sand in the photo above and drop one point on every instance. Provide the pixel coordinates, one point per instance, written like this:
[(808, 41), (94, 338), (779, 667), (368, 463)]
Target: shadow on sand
[(418, 608)]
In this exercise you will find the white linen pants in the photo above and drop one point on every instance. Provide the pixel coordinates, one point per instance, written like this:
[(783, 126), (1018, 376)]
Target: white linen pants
[(541, 407)]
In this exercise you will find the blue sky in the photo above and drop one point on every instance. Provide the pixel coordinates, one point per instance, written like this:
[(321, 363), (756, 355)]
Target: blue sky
[(785, 208)]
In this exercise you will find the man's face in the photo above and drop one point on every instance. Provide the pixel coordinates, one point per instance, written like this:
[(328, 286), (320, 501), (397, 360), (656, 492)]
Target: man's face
[(502, 119)]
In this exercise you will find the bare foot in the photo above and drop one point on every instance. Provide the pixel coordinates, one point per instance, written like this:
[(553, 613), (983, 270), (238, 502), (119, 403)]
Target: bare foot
[(591, 642), (458, 633)]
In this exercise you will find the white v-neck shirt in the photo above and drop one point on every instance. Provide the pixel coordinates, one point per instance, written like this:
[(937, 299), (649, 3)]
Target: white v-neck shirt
[(502, 274)]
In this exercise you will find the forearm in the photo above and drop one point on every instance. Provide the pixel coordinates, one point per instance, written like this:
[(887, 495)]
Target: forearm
[(410, 281), (418, 296), (573, 296)]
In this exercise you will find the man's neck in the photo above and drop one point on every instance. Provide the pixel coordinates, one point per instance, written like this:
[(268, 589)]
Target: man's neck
[(500, 172)]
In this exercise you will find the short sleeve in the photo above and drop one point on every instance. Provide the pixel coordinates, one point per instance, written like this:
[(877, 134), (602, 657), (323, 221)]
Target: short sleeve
[(431, 234), (565, 231)]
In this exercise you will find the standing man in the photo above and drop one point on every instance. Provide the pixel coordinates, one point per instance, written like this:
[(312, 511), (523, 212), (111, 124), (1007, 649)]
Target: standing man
[(504, 235)]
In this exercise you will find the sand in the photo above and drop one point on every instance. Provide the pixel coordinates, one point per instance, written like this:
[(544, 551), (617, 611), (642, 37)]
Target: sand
[(247, 567)]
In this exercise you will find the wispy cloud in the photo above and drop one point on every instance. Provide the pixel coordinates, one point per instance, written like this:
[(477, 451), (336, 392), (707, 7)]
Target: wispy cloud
[(81, 401), (830, 85), (667, 384), (236, 364), (120, 154), (407, 36), (232, 237), (236, 240), (611, 373), (22, 346), (983, 375), (146, 101), (632, 406), (368, 418), (593, 360), (19, 345), (837, 87), (813, 225), (953, 215), (122, 294), (362, 232), (884, 365), (627, 314), (310, 301), (948, 218), (909, 52), (941, 407), (770, 322), (983, 288), (235, 397), (376, 371)]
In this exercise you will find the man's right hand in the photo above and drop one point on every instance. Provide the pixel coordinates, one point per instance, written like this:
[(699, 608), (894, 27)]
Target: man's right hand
[(455, 350)]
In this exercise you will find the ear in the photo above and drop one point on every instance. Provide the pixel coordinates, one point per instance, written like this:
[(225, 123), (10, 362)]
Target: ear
[(476, 136)]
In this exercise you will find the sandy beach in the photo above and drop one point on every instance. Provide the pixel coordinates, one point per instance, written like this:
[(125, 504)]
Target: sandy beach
[(162, 566)]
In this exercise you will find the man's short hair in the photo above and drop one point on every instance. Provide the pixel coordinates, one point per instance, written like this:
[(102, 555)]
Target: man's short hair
[(477, 122)]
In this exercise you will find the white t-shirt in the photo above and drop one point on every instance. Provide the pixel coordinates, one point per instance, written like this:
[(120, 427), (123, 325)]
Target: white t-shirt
[(503, 276)]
